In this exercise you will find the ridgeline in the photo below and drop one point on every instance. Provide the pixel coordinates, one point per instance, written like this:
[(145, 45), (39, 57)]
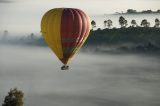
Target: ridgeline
[(118, 39), (126, 39)]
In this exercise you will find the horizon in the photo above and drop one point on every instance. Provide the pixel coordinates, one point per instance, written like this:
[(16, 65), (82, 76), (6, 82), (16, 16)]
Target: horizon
[(77, 62), (20, 16)]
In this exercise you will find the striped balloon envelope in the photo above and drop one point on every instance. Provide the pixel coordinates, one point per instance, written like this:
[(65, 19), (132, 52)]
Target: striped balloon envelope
[(65, 30)]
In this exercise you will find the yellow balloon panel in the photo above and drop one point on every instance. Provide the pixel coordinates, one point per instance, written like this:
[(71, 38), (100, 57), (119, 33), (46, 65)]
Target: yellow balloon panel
[(50, 25)]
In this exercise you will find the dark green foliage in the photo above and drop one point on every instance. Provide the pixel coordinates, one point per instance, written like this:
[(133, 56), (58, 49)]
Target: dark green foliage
[(131, 11), (122, 21), (147, 11), (14, 98), (134, 23), (93, 23), (105, 23), (145, 23), (157, 23), (108, 23), (134, 35)]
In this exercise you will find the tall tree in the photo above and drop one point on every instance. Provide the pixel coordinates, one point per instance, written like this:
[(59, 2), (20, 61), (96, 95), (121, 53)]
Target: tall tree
[(93, 23), (157, 23), (125, 23), (5, 34), (145, 23), (134, 23), (108, 23), (131, 11), (105, 23), (122, 21), (14, 98)]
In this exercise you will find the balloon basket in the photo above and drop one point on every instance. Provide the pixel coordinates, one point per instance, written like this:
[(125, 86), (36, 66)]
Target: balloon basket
[(65, 67)]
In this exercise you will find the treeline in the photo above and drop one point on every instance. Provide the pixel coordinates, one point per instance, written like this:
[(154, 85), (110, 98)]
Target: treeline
[(134, 37), (124, 35), (124, 23), (131, 38), (132, 11), (137, 38), (141, 34), (32, 39)]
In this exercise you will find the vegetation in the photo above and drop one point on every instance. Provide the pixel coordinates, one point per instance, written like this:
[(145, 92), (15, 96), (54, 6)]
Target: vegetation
[(108, 23), (132, 11), (134, 23), (14, 98), (144, 38), (93, 23), (145, 23), (125, 35), (141, 36), (122, 22), (157, 23)]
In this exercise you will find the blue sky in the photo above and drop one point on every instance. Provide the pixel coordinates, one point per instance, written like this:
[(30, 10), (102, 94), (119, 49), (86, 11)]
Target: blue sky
[(25, 15)]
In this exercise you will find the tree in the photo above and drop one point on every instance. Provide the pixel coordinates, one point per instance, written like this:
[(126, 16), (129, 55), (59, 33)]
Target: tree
[(14, 98), (157, 23), (131, 11), (147, 11), (125, 23), (93, 23), (5, 34), (32, 36), (108, 23), (122, 21), (105, 23), (145, 23), (134, 23)]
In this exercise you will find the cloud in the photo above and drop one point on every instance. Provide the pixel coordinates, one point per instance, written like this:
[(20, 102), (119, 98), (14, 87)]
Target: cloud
[(5, 1)]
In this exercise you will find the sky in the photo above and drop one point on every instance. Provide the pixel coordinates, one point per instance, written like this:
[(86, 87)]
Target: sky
[(25, 15)]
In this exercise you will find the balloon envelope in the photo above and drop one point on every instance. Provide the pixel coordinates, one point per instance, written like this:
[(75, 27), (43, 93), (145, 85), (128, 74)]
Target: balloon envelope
[(65, 30)]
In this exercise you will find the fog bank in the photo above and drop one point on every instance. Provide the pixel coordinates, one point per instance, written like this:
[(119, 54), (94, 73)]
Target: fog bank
[(93, 79)]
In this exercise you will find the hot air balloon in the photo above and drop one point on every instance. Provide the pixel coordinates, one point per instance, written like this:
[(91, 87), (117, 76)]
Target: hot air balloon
[(65, 30)]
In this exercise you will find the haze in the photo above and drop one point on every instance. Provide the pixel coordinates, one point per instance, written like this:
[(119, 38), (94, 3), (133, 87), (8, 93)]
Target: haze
[(24, 16), (93, 79)]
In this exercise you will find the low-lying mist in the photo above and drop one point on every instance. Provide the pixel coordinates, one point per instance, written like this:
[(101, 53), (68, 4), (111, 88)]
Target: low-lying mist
[(93, 79)]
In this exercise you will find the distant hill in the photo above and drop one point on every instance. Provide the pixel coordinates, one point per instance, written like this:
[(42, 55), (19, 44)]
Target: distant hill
[(132, 11), (125, 39)]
